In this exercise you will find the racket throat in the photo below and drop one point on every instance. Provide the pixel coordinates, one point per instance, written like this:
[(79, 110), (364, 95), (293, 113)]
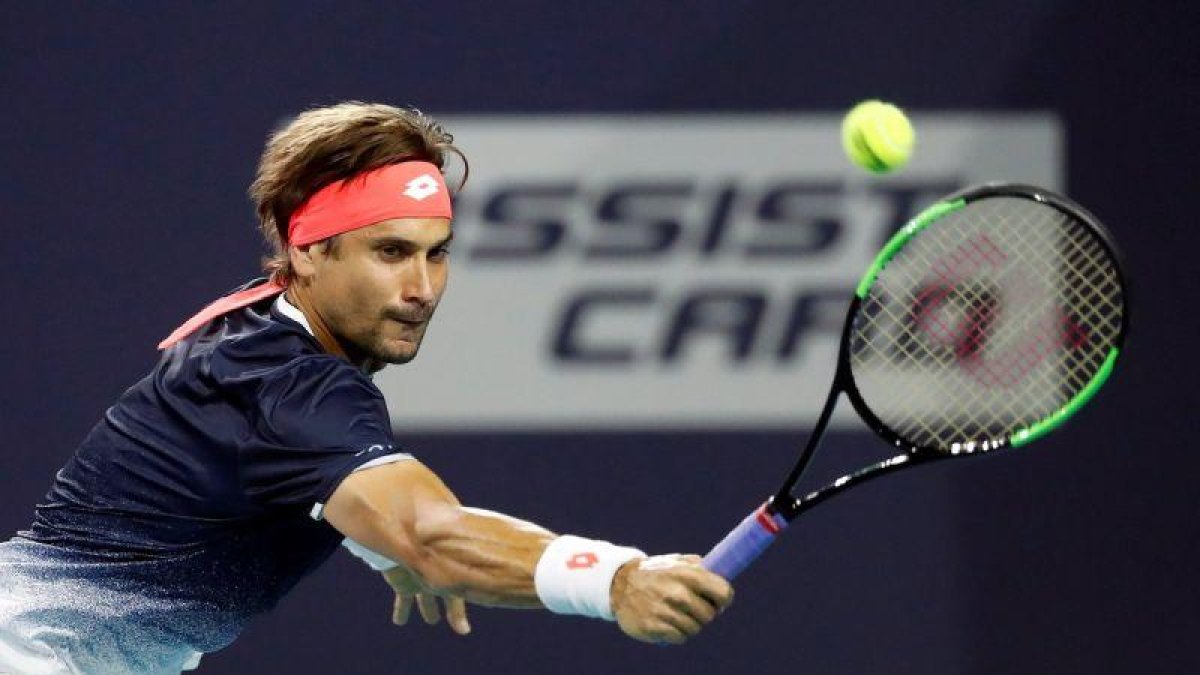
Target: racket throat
[(783, 503)]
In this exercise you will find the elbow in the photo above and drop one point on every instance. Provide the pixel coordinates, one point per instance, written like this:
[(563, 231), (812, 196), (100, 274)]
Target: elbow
[(378, 529)]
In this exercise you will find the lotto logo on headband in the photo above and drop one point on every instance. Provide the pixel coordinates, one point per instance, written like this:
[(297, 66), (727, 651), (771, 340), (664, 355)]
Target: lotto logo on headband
[(421, 187)]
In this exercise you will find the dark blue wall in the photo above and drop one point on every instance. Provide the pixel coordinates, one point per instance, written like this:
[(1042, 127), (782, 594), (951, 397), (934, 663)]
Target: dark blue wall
[(128, 135)]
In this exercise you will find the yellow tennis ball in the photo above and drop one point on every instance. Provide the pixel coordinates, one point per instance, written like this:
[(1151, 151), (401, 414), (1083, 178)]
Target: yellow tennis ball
[(877, 136)]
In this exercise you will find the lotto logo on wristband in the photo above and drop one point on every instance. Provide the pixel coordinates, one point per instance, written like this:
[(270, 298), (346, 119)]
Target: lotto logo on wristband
[(582, 561), (575, 575)]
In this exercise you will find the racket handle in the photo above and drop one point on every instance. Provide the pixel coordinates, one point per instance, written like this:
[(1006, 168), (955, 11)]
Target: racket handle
[(744, 543)]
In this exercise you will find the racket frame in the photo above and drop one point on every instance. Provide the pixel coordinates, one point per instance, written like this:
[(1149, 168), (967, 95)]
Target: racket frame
[(746, 541)]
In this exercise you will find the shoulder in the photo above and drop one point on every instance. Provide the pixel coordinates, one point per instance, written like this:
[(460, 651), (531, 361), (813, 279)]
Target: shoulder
[(296, 393), (261, 360), (263, 347)]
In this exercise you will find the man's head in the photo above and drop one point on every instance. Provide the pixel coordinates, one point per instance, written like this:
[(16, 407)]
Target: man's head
[(373, 288), (376, 288)]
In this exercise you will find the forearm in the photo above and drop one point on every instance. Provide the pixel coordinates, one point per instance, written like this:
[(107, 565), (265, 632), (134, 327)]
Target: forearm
[(486, 557)]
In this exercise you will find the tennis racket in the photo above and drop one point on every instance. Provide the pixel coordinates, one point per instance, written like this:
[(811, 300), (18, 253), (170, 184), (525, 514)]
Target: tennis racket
[(986, 322)]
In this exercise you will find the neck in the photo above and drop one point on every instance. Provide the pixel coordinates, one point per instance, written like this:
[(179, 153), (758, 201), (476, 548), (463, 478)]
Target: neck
[(298, 296), (300, 299)]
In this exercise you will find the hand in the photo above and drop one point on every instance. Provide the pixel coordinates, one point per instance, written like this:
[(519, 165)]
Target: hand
[(667, 598), (409, 587)]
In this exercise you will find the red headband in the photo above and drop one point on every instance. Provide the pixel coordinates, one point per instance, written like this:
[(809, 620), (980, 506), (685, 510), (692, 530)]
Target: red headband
[(405, 190)]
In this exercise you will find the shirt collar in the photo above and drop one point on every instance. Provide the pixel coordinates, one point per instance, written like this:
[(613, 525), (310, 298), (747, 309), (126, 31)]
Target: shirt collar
[(290, 311)]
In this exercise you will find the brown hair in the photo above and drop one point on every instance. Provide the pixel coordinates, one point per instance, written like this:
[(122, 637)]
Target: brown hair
[(333, 143)]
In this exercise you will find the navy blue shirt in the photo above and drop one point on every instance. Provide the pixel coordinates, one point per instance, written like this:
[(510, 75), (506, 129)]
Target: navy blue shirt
[(194, 499)]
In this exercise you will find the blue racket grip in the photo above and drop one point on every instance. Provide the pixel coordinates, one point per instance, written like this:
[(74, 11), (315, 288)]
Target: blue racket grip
[(744, 543)]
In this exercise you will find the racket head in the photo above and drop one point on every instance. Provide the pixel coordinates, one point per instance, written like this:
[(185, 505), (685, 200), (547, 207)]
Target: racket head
[(985, 322)]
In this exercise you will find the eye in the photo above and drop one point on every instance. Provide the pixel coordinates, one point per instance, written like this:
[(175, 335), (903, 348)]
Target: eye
[(439, 254), (390, 251)]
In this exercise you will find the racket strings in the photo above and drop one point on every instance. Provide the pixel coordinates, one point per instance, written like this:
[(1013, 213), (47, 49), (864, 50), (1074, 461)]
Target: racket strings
[(949, 262), (1042, 343), (1093, 291), (987, 321), (1039, 336)]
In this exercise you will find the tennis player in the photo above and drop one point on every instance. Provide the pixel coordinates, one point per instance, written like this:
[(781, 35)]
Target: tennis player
[(258, 444)]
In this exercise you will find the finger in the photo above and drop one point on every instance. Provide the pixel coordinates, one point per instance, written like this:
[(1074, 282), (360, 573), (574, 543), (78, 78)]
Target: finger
[(657, 633), (683, 621), (712, 587), (684, 627), (456, 615), (719, 591), (697, 607), (400, 609), (692, 558), (666, 633), (429, 608)]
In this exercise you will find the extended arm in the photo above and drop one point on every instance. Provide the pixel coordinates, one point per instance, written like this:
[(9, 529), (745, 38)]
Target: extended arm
[(406, 513)]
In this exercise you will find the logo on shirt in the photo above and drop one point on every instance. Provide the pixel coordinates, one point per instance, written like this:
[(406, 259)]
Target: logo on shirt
[(421, 187), (373, 448)]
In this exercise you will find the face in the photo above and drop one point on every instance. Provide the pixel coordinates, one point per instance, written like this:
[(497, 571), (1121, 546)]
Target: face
[(377, 288)]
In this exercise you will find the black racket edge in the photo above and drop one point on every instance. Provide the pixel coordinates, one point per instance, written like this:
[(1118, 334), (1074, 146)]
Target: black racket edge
[(784, 503)]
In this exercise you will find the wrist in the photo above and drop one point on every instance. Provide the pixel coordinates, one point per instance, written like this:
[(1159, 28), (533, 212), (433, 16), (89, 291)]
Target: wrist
[(577, 575), (620, 583)]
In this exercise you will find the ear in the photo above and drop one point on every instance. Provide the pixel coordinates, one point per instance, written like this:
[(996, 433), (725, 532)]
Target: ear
[(303, 260)]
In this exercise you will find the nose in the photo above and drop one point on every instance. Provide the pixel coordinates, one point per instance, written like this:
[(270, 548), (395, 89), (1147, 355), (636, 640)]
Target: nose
[(418, 285)]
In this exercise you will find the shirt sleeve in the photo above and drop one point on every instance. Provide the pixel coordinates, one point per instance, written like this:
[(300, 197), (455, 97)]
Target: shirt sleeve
[(317, 421)]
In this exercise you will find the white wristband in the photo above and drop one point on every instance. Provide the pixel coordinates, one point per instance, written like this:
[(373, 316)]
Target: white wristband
[(574, 575), (378, 562)]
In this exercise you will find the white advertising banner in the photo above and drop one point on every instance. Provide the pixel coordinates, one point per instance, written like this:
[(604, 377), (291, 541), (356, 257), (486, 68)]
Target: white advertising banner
[(672, 271)]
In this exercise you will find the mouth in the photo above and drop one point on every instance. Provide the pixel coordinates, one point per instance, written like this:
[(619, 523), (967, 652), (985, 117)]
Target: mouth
[(413, 323)]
